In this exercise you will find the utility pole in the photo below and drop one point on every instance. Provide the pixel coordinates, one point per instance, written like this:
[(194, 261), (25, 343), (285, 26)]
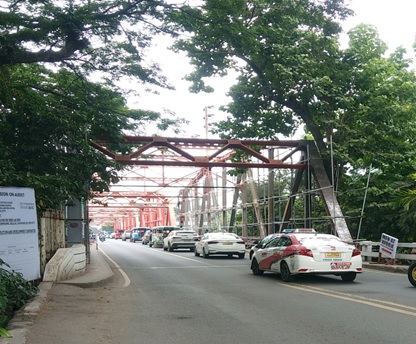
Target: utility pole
[(206, 116)]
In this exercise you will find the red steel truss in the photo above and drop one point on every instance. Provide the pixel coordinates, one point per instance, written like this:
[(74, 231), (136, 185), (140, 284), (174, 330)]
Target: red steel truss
[(173, 151), (149, 205)]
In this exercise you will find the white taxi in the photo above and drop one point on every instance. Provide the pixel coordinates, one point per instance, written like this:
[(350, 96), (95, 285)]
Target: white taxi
[(304, 251), (180, 239)]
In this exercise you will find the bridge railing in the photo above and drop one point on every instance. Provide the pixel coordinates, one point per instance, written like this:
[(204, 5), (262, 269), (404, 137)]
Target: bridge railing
[(370, 251)]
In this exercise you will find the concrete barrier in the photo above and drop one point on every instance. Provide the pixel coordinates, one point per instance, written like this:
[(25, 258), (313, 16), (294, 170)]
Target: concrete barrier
[(66, 263)]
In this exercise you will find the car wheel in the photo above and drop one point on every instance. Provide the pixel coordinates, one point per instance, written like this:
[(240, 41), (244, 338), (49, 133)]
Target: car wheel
[(255, 268), (285, 273), (411, 274), (349, 276), (205, 254), (170, 248), (196, 253), (241, 255)]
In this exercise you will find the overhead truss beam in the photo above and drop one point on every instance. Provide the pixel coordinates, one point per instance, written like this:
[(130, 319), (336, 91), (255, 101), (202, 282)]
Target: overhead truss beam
[(182, 152)]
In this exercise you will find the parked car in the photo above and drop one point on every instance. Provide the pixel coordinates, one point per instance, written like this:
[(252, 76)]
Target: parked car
[(146, 237), (118, 234), (165, 230), (126, 235), (156, 237), (262, 243), (303, 251), (158, 233), (180, 239), (220, 243), (137, 233)]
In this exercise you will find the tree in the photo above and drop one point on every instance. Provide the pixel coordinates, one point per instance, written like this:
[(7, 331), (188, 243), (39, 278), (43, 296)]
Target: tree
[(288, 60), (47, 121), (292, 71), (50, 110), (376, 129), (89, 36)]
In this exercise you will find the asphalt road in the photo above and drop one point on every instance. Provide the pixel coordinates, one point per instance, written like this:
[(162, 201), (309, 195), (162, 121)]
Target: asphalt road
[(174, 297)]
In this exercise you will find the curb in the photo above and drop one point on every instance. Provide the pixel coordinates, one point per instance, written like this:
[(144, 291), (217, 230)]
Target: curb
[(97, 274), (402, 269), (23, 319)]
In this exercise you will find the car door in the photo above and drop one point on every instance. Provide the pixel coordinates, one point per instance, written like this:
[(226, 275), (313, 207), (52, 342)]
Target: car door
[(281, 252), (273, 252), (268, 254)]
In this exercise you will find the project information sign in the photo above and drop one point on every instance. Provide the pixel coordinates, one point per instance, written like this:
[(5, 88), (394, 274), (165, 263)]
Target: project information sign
[(19, 231)]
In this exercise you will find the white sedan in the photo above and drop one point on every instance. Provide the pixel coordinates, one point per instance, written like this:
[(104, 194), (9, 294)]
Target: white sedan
[(307, 252), (180, 239), (220, 243)]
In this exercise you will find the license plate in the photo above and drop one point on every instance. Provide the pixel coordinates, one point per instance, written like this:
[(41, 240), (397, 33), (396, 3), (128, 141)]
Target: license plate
[(227, 243), (332, 255), (340, 265)]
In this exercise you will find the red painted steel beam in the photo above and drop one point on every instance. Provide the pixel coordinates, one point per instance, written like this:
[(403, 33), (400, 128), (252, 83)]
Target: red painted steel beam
[(141, 144)]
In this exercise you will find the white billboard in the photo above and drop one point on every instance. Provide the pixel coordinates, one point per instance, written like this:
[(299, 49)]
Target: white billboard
[(388, 245), (19, 243)]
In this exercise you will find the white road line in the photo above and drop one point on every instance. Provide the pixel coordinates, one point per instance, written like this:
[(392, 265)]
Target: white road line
[(126, 278), (349, 297)]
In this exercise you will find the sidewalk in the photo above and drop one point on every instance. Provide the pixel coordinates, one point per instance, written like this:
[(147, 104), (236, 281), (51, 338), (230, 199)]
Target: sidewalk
[(99, 274)]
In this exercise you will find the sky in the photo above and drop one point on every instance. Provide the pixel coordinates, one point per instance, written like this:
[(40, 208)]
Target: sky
[(394, 19)]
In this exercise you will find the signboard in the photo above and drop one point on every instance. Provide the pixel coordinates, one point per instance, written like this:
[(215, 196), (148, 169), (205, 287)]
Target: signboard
[(388, 245), (19, 243)]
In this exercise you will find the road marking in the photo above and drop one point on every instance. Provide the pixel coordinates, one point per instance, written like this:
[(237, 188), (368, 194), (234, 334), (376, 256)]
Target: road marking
[(357, 299), (126, 278), (198, 260), (186, 258), (191, 267)]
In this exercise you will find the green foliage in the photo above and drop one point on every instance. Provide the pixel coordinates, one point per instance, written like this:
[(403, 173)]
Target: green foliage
[(49, 108), (47, 121), (15, 291), (88, 36), (288, 58), (293, 72)]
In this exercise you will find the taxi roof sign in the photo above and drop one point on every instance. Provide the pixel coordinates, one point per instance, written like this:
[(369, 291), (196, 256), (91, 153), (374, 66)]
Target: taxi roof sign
[(299, 230)]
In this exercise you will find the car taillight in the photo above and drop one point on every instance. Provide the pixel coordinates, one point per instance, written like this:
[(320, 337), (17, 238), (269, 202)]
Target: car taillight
[(304, 252), (356, 252), (241, 242)]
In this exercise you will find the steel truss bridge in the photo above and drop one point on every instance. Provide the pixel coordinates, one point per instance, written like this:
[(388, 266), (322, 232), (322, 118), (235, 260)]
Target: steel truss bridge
[(177, 181)]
